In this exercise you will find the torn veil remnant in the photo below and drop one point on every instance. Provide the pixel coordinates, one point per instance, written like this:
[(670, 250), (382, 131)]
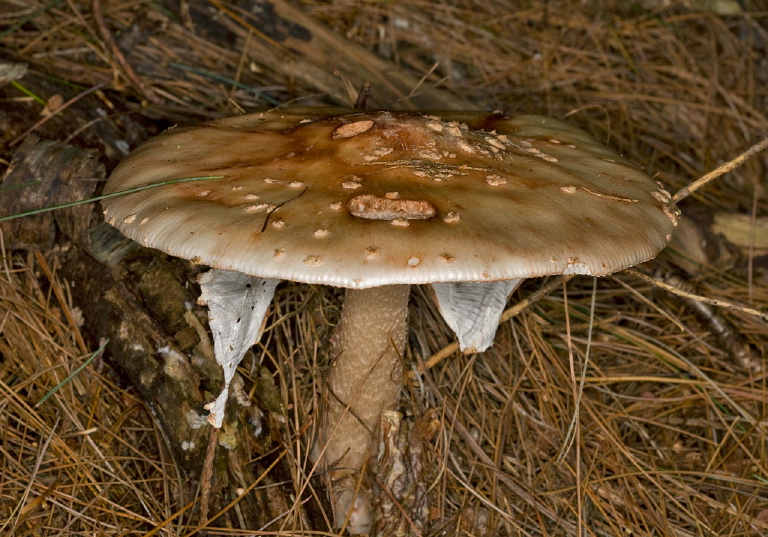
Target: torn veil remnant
[(374, 201)]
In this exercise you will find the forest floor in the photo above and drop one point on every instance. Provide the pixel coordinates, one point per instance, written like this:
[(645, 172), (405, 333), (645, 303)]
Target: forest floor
[(609, 407)]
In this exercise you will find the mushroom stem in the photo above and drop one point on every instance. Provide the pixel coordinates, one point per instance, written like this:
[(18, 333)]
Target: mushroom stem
[(366, 375)]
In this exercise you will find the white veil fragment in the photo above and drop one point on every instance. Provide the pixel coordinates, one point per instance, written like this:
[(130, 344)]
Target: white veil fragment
[(473, 309), (237, 305)]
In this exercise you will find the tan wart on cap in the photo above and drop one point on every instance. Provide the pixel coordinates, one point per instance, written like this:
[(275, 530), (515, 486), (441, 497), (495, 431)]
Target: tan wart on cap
[(374, 201)]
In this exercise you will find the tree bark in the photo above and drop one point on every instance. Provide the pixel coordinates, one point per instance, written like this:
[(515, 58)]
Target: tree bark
[(164, 350)]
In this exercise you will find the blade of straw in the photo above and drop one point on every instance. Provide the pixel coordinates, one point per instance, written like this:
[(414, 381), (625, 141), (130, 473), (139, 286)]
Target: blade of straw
[(106, 196), (74, 373)]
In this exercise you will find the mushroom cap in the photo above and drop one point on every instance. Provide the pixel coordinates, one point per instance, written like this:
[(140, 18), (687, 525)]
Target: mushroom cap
[(362, 198)]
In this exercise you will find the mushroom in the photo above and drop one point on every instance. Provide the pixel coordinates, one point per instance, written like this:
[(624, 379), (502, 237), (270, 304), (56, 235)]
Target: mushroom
[(376, 201)]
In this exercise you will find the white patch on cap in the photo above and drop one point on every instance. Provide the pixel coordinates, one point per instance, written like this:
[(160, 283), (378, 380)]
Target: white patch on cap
[(466, 146), (568, 189), (429, 154), (351, 185), (295, 184), (278, 223), (495, 180), (453, 130), (353, 129), (575, 266), (400, 223), (320, 233), (336, 205), (203, 193), (373, 207), (673, 213), (130, 218), (662, 195), (251, 197), (494, 142), (452, 217), (377, 152), (413, 261)]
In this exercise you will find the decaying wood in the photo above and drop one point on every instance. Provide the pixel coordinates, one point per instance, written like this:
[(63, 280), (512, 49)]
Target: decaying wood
[(161, 346), (724, 331), (400, 497), (42, 174)]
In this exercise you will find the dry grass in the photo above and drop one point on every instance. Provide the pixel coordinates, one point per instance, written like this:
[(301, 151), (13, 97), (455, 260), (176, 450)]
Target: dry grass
[(86, 461), (671, 431)]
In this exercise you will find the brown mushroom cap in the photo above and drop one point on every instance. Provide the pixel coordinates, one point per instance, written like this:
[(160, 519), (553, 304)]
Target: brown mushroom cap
[(360, 198)]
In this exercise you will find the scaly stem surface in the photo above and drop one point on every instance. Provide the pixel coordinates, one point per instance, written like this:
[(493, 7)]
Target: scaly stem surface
[(366, 374)]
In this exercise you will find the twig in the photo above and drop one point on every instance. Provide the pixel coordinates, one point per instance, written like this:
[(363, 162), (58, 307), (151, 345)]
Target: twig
[(725, 333), (725, 168), (276, 207), (119, 57), (706, 300), (248, 489), (649, 303), (206, 476), (362, 95)]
